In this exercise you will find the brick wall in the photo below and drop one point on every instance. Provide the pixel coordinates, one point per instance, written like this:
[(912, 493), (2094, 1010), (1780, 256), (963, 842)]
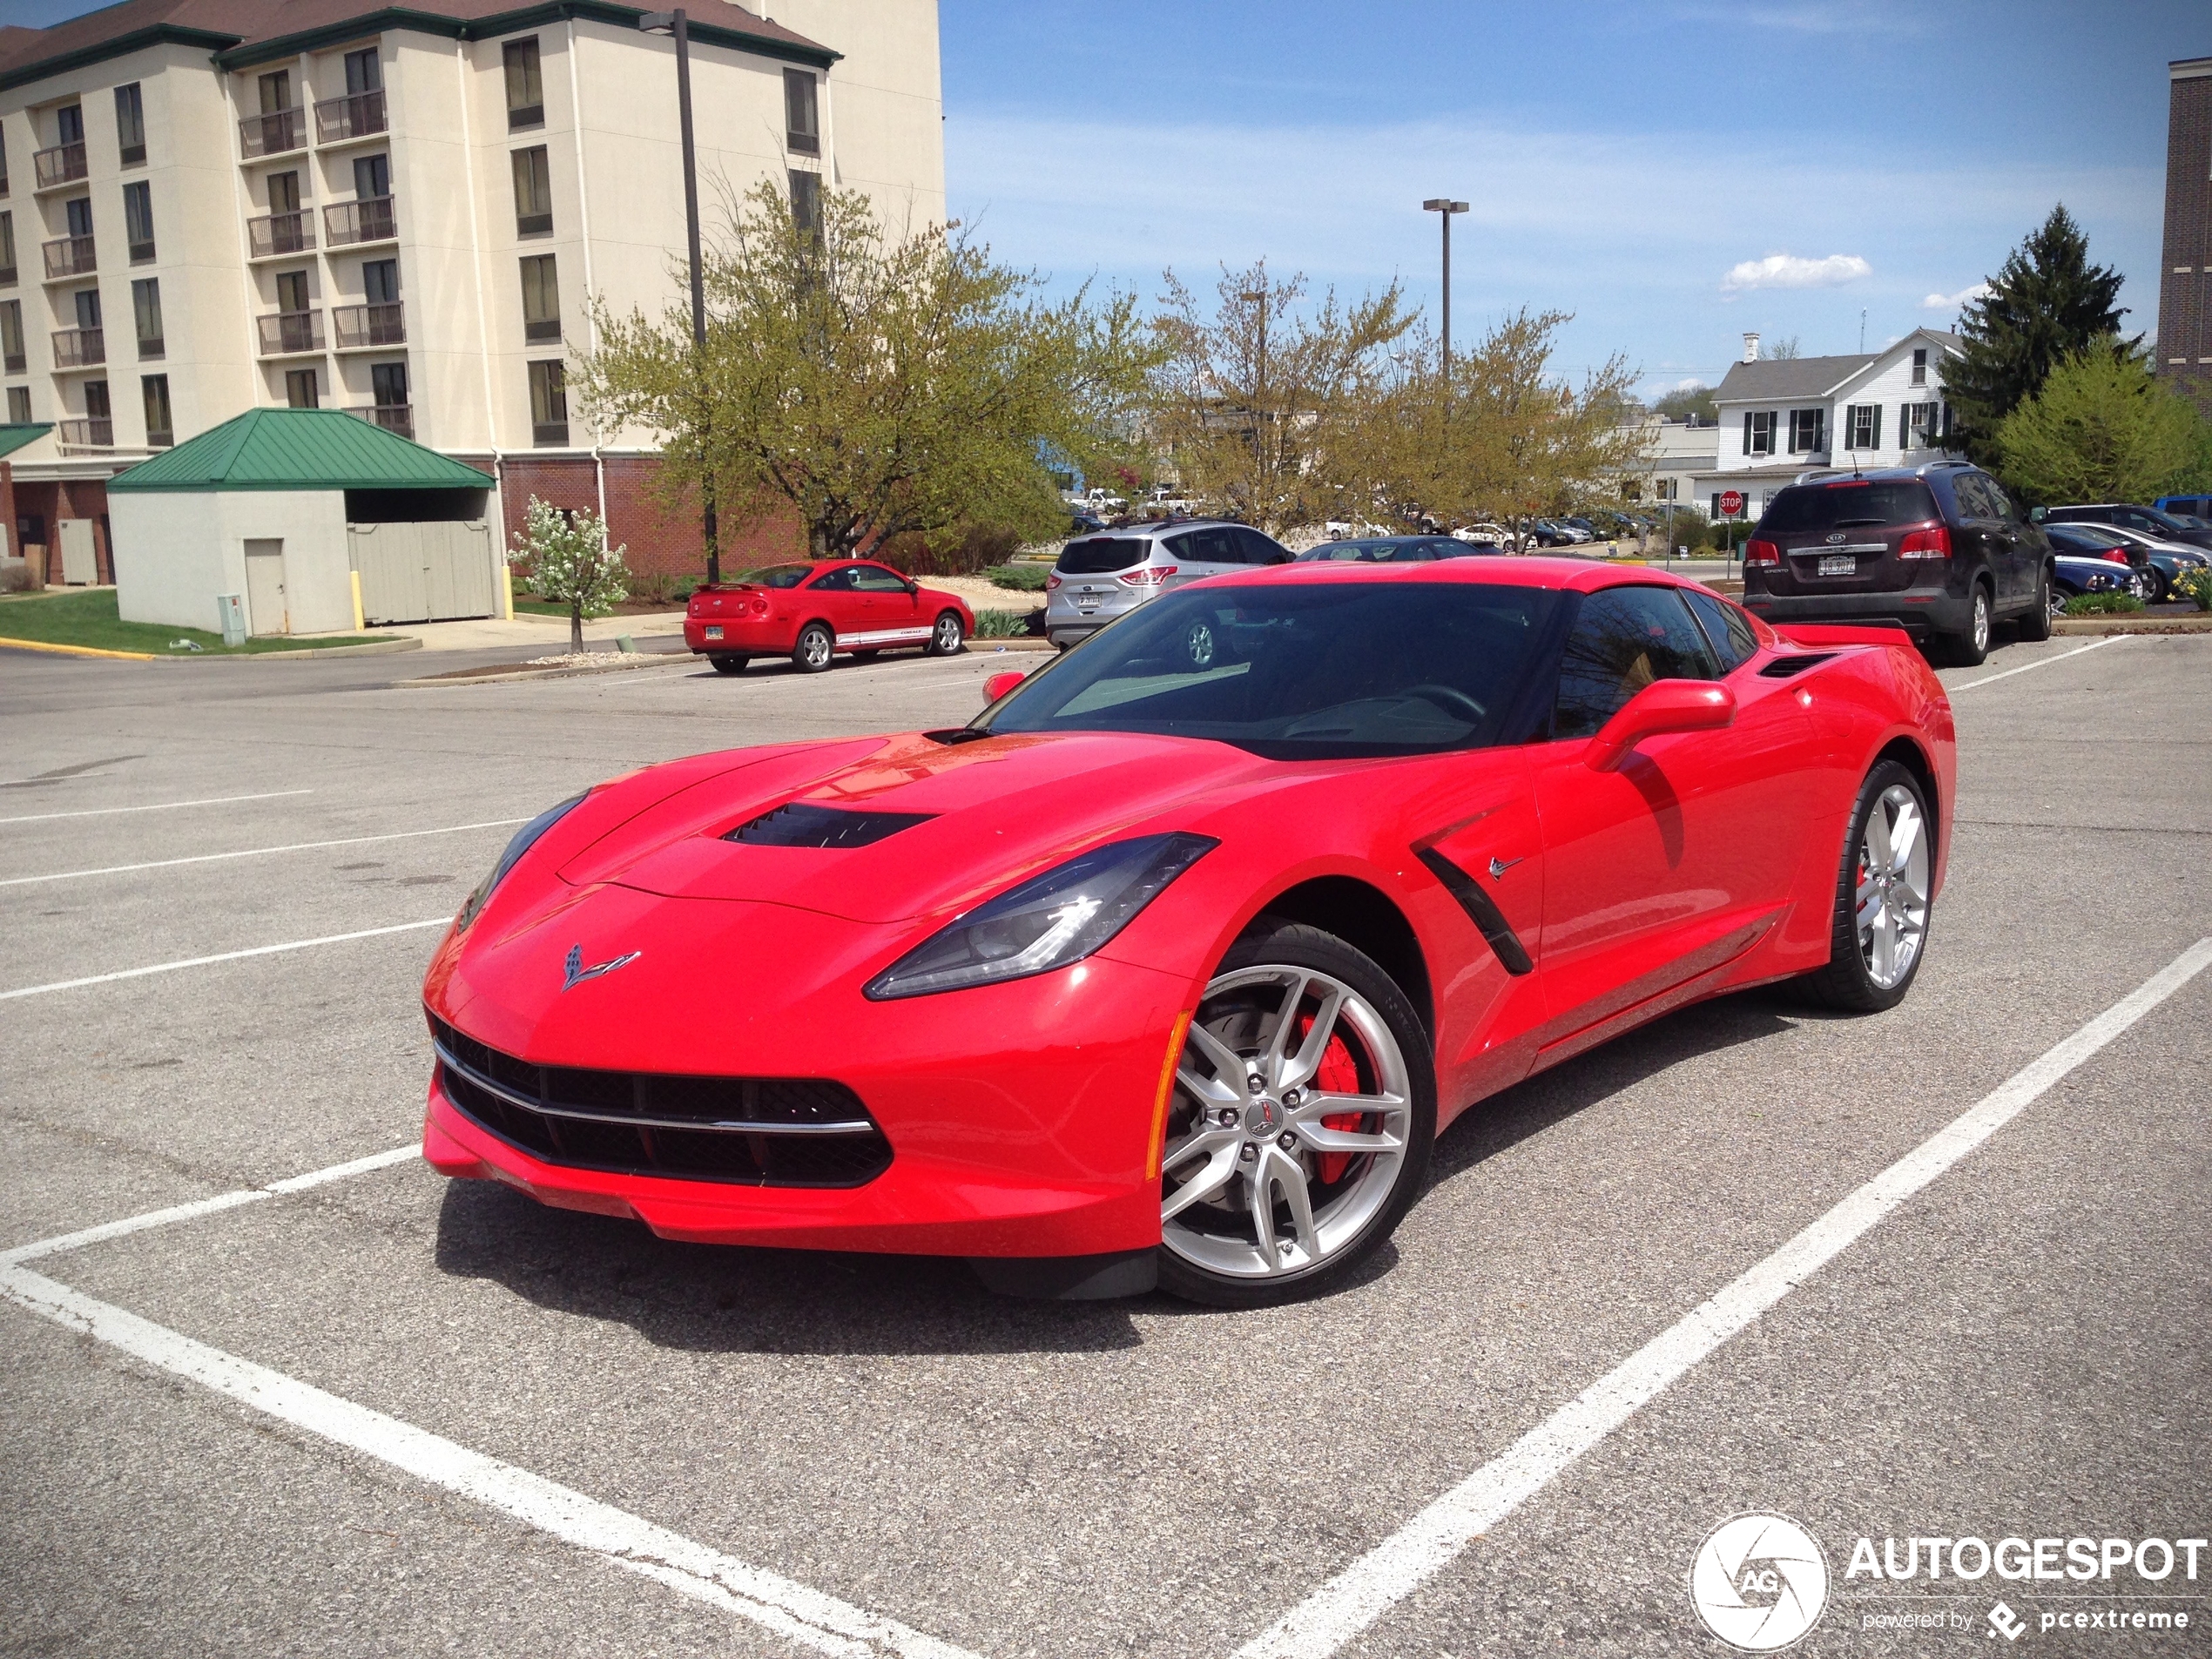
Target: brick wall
[(66, 498), (2185, 277), (662, 542)]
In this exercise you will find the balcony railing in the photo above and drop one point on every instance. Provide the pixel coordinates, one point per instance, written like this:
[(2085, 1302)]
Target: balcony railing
[(392, 417), (286, 333), (357, 326), (160, 439), (150, 347), (98, 432), (62, 165), (7, 275), (369, 220), (275, 233), (353, 117), (274, 133), (70, 256), (12, 362), (541, 328), (79, 348)]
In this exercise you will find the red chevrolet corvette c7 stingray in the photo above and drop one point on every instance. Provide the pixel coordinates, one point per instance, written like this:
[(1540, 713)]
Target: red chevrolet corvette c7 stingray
[(1172, 964)]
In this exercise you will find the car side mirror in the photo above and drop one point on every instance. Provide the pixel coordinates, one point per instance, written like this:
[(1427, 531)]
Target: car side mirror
[(913, 586), (1663, 706), (997, 685)]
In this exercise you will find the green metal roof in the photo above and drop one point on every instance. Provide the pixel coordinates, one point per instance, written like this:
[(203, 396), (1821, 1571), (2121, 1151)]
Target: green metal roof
[(300, 449), (13, 438)]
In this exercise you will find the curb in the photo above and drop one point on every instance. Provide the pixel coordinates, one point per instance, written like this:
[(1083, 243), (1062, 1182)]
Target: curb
[(2197, 624), (433, 682), (77, 651), (375, 648)]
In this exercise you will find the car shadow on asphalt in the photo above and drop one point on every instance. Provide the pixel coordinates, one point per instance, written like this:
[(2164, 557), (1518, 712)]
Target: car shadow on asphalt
[(721, 1298), (1507, 1118)]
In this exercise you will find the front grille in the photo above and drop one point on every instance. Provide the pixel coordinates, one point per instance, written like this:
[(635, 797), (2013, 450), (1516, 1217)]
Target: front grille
[(756, 1131)]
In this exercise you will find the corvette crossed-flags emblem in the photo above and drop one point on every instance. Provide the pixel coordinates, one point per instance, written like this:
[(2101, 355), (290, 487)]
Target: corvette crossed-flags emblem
[(575, 973)]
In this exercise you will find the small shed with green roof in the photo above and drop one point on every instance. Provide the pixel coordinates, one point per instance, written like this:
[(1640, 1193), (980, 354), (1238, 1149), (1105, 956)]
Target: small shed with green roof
[(322, 521)]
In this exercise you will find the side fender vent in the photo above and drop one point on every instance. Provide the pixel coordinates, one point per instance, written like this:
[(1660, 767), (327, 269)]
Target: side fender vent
[(1782, 668), (800, 824)]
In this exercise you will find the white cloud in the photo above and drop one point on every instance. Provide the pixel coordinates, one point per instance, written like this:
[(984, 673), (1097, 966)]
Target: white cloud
[(1952, 301), (1789, 271)]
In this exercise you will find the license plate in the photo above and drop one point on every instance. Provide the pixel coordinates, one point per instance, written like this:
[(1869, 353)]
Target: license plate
[(714, 631), (1838, 564)]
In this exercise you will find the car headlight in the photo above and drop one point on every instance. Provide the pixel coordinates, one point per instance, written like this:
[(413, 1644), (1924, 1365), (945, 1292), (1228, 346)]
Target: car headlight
[(524, 839), (1047, 922)]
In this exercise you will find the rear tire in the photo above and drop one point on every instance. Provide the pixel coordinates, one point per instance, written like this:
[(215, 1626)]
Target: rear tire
[(2036, 624), (1879, 933), (729, 664), (1326, 1212), (812, 652), (1971, 649)]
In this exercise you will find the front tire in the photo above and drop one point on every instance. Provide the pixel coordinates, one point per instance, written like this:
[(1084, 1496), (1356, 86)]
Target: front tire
[(812, 652), (1301, 1125), (947, 638), (2157, 588), (1884, 897)]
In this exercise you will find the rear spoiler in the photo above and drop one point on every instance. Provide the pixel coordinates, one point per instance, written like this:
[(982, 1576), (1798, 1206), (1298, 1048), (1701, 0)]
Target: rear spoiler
[(1817, 635)]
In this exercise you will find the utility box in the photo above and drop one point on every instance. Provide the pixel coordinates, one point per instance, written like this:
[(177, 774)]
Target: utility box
[(230, 616)]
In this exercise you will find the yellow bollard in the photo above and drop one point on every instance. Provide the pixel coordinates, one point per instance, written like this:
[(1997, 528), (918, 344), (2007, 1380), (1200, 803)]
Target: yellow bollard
[(357, 574), (506, 593)]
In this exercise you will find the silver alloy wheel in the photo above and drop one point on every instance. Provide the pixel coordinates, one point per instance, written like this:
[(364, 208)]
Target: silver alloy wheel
[(1241, 1192), (948, 640), (816, 644), (1893, 897), (1981, 619), (1198, 645)]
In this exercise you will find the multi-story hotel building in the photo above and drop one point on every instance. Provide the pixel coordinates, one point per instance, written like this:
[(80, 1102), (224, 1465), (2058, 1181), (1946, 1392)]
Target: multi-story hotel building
[(211, 206)]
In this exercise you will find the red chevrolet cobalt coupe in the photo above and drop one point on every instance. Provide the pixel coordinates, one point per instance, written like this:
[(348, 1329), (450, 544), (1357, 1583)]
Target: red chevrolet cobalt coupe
[(1171, 965), (812, 612)]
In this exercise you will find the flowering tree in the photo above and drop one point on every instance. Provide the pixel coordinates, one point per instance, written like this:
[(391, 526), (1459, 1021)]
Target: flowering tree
[(570, 563)]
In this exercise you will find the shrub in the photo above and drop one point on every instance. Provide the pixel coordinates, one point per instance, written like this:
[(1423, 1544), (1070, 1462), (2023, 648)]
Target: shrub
[(2103, 604), (1002, 625), (2195, 585), (1022, 578)]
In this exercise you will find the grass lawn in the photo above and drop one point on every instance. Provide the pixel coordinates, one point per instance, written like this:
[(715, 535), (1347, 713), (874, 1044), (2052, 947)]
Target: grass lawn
[(87, 617)]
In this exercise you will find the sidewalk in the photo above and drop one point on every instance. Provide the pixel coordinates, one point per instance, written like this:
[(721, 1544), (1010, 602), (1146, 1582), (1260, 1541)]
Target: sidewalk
[(529, 636)]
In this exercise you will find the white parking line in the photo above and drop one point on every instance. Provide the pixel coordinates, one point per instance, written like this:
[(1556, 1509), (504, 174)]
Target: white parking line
[(1355, 1598), (789, 1609), (158, 806), (221, 956), (2029, 668), (256, 851)]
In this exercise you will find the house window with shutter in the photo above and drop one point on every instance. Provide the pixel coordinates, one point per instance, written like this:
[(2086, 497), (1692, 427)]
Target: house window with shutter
[(1759, 433), (1863, 426), (1808, 431)]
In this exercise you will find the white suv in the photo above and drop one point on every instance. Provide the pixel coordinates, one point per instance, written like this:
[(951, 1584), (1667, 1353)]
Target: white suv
[(1100, 577)]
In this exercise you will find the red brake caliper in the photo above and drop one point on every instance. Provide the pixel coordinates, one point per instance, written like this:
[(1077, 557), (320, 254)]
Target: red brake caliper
[(1335, 1075)]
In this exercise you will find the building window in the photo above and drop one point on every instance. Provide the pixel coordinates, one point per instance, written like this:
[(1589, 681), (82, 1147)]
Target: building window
[(19, 406), (11, 355), (146, 307), (1863, 426), (292, 292), (364, 72), (69, 123), (88, 307), (533, 193), (1920, 368), (388, 385), (131, 124), (7, 250), (96, 404), (4, 164), (1918, 425), (1759, 433), (381, 282), (525, 90), (1807, 430), (802, 123), (138, 220), (806, 202), (79, 215), (548, 405), (541, 300), (300, 389), (159, 433)]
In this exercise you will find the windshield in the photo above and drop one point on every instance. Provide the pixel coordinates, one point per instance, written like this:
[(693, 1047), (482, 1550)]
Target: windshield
[(1841, 506), (1330, 671), (778, 575)]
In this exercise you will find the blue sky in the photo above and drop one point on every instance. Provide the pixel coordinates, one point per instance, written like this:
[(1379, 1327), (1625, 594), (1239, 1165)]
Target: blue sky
[(1621, 160)]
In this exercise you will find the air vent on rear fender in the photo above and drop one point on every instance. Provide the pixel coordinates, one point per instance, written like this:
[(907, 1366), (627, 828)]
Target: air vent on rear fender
[(801, 825), (1782, 668)]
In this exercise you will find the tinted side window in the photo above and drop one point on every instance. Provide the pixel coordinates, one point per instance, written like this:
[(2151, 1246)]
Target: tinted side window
[(868, 579), (1259, 549), (1217, 546), (1726, 630), (1623, 639), (833, 582), (1972, 491)]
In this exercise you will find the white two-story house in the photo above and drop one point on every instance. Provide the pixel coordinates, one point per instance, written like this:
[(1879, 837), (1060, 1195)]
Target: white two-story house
[(1779, 417)]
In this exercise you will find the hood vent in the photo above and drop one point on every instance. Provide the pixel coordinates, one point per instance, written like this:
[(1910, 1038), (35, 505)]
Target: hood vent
[(800, 824)]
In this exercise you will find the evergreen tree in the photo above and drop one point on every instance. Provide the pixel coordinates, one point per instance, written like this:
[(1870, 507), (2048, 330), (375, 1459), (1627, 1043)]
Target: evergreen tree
[(2047, 304)]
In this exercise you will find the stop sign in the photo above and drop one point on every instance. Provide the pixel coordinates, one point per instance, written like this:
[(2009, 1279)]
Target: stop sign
[(1731, 503)]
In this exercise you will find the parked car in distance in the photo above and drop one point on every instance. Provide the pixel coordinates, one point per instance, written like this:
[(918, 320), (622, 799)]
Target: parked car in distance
[(1488, 535), (2074, 574), (1394, 550), (1940, 550), (814, 611), (1084, 523), (1551, 532), (1097, 578), (2126, 515), (2198, 508), (2157, 561)]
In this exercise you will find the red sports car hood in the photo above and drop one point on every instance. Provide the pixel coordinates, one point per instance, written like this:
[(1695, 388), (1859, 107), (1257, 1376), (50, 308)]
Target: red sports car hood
[(986, 814)]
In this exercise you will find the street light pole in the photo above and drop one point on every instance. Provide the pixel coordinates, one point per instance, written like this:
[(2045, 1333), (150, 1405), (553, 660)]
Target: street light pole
[(674, 23), (1445, 207)]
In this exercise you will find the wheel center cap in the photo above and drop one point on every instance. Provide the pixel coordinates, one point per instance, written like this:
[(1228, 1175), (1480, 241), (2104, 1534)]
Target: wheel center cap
[(1263, 1118)]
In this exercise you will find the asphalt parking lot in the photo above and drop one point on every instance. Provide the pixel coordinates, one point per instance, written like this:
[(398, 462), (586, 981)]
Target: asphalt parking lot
[(765, 1454)]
